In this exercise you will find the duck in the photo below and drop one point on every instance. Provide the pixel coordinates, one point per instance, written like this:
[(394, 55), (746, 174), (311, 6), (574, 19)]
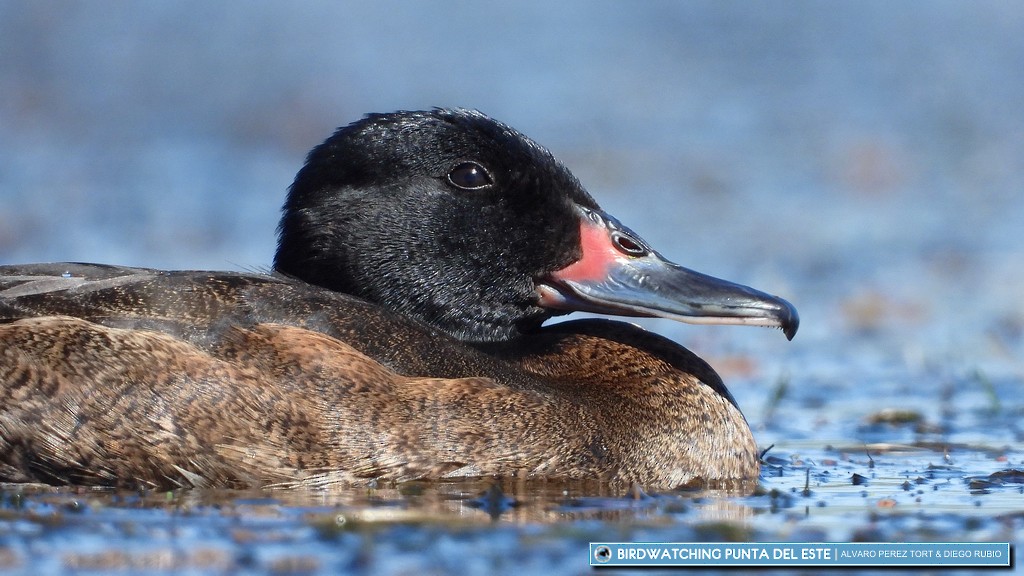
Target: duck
[(402, 334)]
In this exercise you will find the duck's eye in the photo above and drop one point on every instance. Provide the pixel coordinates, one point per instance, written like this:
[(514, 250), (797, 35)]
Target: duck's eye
[(469, 176), (628, 245)]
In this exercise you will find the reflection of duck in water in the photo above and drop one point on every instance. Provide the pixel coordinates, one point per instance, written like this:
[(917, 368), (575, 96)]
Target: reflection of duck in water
[(400, 337)]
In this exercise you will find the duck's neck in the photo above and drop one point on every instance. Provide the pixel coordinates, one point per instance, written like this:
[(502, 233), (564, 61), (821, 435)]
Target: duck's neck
[(466, 315)]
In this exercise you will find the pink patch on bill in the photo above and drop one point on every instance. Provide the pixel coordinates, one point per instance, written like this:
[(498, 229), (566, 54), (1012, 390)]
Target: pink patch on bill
[(599, 254)]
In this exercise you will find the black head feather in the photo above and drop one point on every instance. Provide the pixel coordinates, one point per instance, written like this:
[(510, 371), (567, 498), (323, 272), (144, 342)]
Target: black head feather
[(446, 215)]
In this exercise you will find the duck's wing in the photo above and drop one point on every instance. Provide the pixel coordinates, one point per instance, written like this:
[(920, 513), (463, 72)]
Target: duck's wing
[(201, 308), (104, 293), (31, 290)]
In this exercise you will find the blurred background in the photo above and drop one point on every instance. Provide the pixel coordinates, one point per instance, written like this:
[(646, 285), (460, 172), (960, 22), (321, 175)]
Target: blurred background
[(863, 159)]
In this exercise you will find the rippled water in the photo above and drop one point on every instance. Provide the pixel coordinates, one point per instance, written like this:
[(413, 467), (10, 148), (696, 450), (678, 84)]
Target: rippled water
[(862, 160), (898, 493)]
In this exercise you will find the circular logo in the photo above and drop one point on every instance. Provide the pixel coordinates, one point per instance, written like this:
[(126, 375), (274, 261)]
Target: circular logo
[(602, 554)]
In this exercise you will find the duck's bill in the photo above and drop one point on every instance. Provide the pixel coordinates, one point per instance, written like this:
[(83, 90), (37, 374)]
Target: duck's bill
[(619, 274)]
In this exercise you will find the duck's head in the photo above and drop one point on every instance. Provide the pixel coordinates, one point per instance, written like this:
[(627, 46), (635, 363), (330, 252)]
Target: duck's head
[(459, 221)]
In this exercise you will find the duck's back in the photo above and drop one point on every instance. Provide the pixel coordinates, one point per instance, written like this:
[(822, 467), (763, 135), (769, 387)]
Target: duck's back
[(200, 308)]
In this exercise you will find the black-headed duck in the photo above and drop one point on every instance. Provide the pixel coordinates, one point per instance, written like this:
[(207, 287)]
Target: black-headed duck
[(399, 337)]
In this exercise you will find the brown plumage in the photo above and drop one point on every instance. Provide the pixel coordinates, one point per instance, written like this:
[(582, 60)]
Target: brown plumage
[(135, 377)]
